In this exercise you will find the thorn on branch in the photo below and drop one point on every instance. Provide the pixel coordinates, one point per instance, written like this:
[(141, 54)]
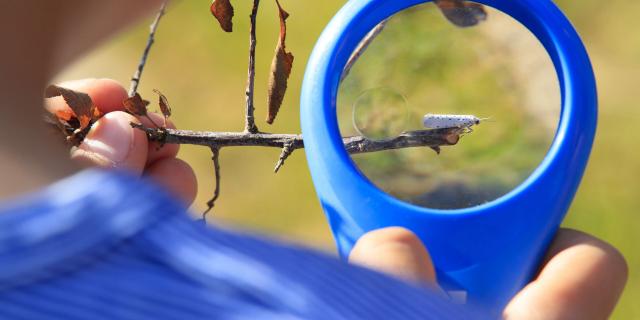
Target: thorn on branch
[(216, 193), (287, 150), (135, 80)]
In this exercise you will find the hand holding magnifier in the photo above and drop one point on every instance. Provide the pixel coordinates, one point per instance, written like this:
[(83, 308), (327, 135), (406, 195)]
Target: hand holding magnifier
[(489, 251)]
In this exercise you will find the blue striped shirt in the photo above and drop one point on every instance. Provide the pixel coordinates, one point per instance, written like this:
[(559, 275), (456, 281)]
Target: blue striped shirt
[(104, 245)]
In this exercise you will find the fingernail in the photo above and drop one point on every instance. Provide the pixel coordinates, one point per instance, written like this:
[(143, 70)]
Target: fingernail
[(110, 139)]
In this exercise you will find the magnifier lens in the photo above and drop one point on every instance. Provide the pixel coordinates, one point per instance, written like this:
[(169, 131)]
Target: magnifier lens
[(420, 63)]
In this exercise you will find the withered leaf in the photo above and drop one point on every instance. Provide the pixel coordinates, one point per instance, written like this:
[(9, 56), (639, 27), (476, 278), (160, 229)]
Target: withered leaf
[(64, 114), (223, 11), (163, 103), (280, 69), (80, 103), (462, 13), (136, 105)]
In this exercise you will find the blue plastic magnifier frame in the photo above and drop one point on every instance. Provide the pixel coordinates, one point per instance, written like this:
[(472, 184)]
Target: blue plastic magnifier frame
[(490, 251)]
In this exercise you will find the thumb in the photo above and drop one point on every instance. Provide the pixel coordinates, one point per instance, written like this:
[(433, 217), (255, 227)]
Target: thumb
[(113, 143), (396, 251)]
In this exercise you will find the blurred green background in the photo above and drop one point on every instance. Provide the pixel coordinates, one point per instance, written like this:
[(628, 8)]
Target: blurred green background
[(203, 72)]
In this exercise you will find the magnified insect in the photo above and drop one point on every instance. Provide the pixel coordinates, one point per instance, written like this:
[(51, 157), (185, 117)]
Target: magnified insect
[(447, 121)]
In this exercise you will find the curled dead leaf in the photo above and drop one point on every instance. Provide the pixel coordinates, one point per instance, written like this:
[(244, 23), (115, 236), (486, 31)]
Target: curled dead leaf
[(462, 13), (64, 114), (163, 103), (136, 105), (222, 10), (280, 69), (80, 103)]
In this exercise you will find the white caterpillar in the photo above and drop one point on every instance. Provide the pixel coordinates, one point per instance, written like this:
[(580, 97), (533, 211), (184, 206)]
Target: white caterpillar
[(446, 121)]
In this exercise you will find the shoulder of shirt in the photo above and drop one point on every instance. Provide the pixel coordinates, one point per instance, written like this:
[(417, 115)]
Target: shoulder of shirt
[(83, 218)]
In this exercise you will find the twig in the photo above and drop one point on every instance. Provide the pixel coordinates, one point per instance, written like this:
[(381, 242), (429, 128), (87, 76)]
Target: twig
[(353, 145), (419, 138), (135, 80), (216, 193), (250, 123), (287, 142), (287, 150), (362, 47)]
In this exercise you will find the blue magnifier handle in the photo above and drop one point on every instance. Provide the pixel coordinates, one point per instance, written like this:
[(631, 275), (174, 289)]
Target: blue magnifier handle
[(489, 252)]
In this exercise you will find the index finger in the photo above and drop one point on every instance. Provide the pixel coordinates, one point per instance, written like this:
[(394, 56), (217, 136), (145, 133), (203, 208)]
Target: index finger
[(106, 94)]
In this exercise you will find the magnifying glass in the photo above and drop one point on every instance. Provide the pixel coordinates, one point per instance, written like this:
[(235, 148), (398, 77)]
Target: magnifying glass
[(486, 227)]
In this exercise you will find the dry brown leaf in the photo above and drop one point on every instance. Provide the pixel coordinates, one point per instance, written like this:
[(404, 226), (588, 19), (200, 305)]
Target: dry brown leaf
[(136, 105), (223, 11), (163, 103), (65, 114), (80, 103), (462, 13), (280, 69)]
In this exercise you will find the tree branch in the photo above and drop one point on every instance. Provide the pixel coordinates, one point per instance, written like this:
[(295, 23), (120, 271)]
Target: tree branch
[(251, 136), (135, 80), (353, 145), (250, 123), (287, 150), (362, 47)]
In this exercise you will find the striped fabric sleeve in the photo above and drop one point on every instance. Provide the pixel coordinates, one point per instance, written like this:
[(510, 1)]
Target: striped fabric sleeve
[(104, 245)]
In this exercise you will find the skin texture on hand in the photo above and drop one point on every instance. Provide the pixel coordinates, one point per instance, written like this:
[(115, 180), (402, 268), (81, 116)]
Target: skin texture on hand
[(113, 143), (582, 277)]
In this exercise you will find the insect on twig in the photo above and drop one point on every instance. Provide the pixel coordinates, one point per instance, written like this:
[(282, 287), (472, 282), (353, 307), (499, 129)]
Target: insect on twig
[(449, 121)]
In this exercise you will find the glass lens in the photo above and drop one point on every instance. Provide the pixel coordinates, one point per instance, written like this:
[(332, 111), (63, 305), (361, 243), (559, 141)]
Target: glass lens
[(487, 93)]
